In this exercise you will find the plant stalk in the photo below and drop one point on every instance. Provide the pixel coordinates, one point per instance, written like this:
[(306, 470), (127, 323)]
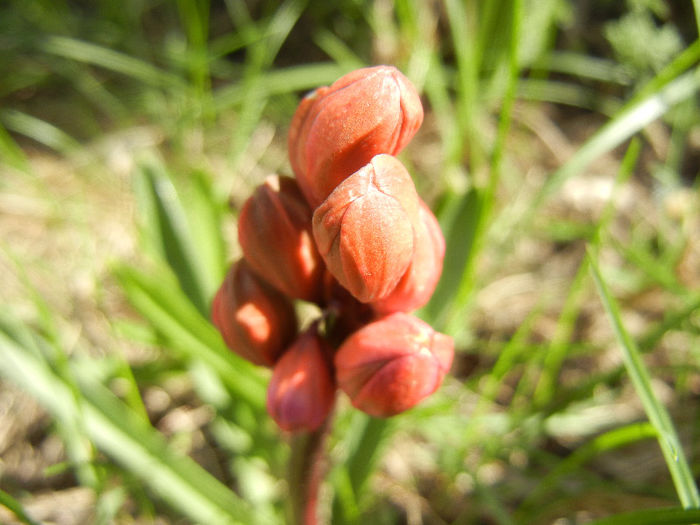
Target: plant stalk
[(307, 467)]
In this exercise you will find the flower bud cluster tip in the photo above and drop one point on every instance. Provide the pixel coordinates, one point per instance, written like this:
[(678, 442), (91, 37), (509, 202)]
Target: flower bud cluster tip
[(349, 233)]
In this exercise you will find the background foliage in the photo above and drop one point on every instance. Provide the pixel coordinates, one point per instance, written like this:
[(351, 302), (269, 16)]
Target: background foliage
[(560, 152)]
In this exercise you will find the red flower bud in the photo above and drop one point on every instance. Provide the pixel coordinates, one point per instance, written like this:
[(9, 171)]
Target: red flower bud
[(336, 130), (390, 365), (419, 282), (274, 231), (364, 229), (256, 321), (301, 391)]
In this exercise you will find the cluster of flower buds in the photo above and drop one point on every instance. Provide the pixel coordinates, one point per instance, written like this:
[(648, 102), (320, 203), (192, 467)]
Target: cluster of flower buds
[(350, 234)]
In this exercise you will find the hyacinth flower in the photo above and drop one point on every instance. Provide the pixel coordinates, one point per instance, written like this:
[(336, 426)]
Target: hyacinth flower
[(302, 390), (420, 279), (364, 230), (256, 321), (350, 234), (338, 129), (277, 215), (392, 364)]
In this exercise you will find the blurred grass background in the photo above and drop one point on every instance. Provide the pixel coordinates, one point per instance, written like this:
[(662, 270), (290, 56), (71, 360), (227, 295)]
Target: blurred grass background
[(560, 151)]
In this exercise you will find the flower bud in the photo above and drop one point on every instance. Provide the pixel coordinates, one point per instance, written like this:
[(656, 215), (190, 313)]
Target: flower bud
[(255, 320), (336, 130), (390, 365), (301, 391), (274, 231), (418, 283), (364, 229)]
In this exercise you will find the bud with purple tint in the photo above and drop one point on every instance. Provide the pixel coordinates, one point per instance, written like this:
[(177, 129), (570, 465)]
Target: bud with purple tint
[(302, 390)]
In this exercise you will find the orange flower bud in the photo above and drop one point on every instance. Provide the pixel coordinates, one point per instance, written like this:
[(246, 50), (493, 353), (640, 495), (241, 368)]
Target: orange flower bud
[(392, 364), (336, 130), (419, 282), (255, 320), (364, 229), (274, 231), (301, 391)]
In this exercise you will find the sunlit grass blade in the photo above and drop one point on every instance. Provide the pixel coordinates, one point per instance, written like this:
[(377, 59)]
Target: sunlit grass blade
[(586, 66), (282, 80), (656, 412), (11, 153), (191, 335), (616, 438), (670, 516), (259, 57), (94, 54), (126, 438), (622, 127), (205, 213), (335, 48), (558, 346), (466, 230), (39, 130), (10, 503), (459, 220), (167, 231), (364, 441)]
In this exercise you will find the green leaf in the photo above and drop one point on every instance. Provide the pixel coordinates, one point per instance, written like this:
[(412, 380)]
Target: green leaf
[(656, 412), (674, 516), (125, 437), (191, 335), (167, 229), (7, 501), (89, 53)]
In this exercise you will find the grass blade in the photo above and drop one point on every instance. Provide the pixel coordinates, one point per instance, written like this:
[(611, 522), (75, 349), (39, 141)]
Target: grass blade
[(673, 516), (658, 416), (616, 438), (191, 335), (89, 53), (7, 501), (167, 230), (124, 436), (39, 130)]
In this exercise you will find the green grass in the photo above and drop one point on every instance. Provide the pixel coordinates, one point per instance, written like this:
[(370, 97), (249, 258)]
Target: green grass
[(576, 318)]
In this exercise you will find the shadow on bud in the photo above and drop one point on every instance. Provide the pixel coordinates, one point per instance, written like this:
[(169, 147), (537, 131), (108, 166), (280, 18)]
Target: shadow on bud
[(392, 364), (418, 283), (274, 231), (255, 320), (364, 230), (302, 391)]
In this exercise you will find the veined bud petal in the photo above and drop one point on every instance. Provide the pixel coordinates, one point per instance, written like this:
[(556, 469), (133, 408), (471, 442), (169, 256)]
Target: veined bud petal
[(418, 283), (364, 230), (302, 390), (336, 130), (274, 231), (392, 364), (255, 320)]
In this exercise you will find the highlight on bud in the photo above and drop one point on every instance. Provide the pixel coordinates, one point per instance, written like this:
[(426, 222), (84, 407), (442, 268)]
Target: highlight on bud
[(336, 130), (255, 320), (302, 390), (364, 230), (420, 279), (274, 231), (392, 364)]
